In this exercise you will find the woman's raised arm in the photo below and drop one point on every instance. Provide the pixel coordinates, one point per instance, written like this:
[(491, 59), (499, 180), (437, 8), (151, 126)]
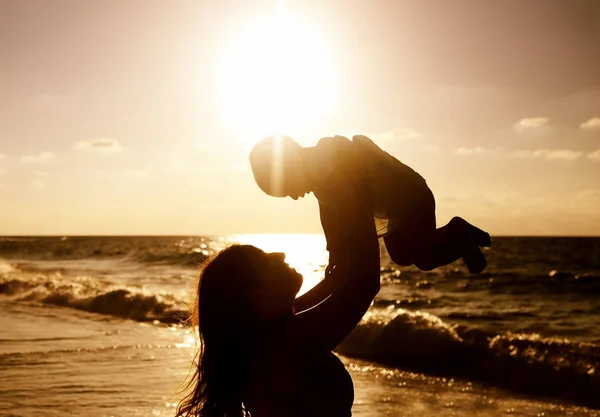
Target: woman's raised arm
[(354, 270)]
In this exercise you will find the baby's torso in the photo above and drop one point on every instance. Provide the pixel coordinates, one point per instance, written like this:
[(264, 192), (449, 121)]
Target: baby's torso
[(394, 189)]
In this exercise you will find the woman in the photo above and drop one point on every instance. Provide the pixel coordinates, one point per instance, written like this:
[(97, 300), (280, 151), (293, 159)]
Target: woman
[(266, 353)]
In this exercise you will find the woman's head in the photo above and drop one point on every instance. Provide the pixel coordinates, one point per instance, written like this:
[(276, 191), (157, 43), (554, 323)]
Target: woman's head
[(241, 291), (278, 168), (243, 282)]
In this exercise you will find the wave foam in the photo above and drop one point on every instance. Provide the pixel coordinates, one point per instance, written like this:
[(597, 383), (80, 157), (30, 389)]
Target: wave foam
[(96, 297)]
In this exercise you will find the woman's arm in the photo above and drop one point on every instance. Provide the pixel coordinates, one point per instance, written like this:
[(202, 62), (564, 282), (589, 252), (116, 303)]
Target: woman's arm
[(337, 227), (353, 277)]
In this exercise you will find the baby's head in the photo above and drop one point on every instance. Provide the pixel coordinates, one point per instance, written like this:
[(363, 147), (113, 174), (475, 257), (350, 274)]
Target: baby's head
[(278, 167)]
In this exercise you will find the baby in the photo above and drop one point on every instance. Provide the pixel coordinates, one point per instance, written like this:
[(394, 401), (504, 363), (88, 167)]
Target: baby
[(403, 205)]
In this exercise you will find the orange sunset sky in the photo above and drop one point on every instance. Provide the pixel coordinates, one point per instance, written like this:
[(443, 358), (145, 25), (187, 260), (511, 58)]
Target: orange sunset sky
[(136, 117)]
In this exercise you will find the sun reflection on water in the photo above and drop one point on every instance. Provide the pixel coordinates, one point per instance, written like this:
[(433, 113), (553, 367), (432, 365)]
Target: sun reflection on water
[(304, 252), (189, 341)]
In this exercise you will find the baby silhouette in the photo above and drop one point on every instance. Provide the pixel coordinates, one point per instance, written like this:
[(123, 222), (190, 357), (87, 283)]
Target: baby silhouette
[(403, 206)]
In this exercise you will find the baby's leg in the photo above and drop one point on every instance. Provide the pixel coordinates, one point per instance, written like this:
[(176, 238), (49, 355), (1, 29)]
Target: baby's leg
[(413, 231), (459, 232), (400, 248), (417, 241), (410, 239), (428, 249), (441, 249), (425, 252), (458, 239)]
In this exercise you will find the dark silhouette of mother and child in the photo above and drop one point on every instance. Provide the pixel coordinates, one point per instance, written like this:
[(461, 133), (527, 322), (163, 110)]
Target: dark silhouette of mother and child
[(266, 351)]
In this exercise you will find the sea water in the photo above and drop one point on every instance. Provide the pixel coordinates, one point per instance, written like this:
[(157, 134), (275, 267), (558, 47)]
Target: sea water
[(93, 326)]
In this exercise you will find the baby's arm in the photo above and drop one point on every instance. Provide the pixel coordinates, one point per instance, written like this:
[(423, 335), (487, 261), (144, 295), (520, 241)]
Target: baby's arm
[(330, 223), (336, 218), (345, 173)]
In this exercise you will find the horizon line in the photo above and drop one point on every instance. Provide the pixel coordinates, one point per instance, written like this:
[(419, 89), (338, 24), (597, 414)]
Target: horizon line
[(259, 233)]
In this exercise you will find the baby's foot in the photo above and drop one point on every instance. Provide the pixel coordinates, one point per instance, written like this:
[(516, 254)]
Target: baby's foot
[(472, 234), (475, 260), (480, 237), (483, 238)]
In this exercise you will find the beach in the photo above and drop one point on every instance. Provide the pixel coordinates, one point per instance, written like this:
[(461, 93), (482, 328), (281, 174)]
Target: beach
[(92, 326)]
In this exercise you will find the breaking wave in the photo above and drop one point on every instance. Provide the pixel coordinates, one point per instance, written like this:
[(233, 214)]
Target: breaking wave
[(94, 296), (523, 362)]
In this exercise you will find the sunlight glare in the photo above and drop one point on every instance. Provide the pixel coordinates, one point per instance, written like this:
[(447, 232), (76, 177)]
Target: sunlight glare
[(276, 77)]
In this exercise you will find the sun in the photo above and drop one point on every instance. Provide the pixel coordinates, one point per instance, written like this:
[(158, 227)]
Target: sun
[(276, 77)]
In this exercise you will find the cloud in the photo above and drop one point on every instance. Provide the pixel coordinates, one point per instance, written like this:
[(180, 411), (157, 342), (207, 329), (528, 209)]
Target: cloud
[(40, 174), (551, 154), (2, 172), (100, 145), (562, 154), (471, 151), (591, 194), (1, 156), (594, 155), (37, 184), (41, 157), (591, 125), (532, 125)]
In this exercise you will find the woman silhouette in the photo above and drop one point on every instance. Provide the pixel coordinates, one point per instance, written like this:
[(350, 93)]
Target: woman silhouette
[(266, 353)]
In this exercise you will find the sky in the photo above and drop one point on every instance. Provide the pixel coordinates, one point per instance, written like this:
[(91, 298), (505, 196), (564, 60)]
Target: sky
[(136, 117)]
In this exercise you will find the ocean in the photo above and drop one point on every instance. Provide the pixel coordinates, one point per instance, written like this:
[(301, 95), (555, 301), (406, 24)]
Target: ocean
[(92, 326)]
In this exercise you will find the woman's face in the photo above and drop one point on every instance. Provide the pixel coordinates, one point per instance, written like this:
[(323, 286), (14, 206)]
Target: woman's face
[(278, 285)]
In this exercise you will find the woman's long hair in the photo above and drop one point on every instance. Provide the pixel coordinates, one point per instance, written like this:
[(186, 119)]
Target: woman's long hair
[(227, 327)]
